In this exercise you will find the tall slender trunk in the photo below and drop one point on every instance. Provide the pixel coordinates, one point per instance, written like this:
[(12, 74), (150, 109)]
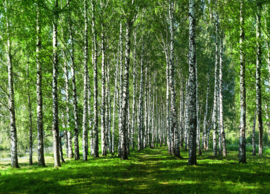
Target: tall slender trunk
[(85, 96), (30, 119), (134, 91), (187, 115), (55, 127), (141, 126), (192, 84), (128, 125), (215, 113), (242, 141), (41, 160), (124, 105), (253, 135), (145, 109), (182, 110), (258, 75), (149, 104), (94, 57), (205, 116), (60, 147), (221, 125), (173, 127), (167, 105), (114, 101), (69, 139), (153, 113), (75, 103), (197, 114), (120, 96), (109, 110), (90, 115), (103, 123)]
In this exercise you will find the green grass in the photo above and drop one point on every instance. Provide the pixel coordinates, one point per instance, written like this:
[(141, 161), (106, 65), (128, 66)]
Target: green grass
[(147, 171)]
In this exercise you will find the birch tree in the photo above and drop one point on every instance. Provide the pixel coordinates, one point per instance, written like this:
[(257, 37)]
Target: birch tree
[(55, 127), (258, 74), (11, 104), (242, 141), (141, 123), (41, 160), (192, 83), (74, 90), (94, 58), (221, 125), (174, 126), (85, 97)]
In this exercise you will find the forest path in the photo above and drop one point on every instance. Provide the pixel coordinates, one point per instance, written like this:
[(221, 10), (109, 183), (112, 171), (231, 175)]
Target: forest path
[(146, 171)]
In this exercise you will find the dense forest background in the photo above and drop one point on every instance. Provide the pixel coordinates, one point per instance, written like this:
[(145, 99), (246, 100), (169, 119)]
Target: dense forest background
[(104, 75)]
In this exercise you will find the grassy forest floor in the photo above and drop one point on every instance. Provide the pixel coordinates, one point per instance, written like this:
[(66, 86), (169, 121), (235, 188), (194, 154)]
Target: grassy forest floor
[(147, 171)]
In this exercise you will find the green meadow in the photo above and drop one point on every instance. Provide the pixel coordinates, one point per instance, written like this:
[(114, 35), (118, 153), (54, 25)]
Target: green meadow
[(146, 171)]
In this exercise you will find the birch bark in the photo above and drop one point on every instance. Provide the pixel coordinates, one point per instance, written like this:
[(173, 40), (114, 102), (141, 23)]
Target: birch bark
[(55, 127), (124, 105), (41, 160), (253, 135), (85, 96), (120, 96), (94, 58), (215, 113), (103, 123), (69, 139), (192, 85), (134, 91), (30, 119), (174, 124), (75, 103), (221, 125), (205, 116), (114, 101), (145, 109), (242, 141), (258, 75), (140, 129), (187, 115)]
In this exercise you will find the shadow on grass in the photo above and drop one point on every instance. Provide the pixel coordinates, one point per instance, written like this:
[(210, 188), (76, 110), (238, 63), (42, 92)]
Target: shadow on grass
[(147, 171)]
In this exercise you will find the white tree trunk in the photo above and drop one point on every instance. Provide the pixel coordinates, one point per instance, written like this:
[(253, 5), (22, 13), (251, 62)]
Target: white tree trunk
[(187, 115), (134, 91), (258, 75), (94, 58), (103, 88), (192, 84), (30, 118), (120, 96), (174, 125), (141, 123), (215, 112), (221, 125), (85, 97), (11, 106), (55, 127), (124, 105), (205, 116), (253, 135), (115, 99), (242, 141), (41, 160), (75, 103), (145, 131)]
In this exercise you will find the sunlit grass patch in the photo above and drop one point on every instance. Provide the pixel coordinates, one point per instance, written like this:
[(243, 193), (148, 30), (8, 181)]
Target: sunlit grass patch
[(147, 171)]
